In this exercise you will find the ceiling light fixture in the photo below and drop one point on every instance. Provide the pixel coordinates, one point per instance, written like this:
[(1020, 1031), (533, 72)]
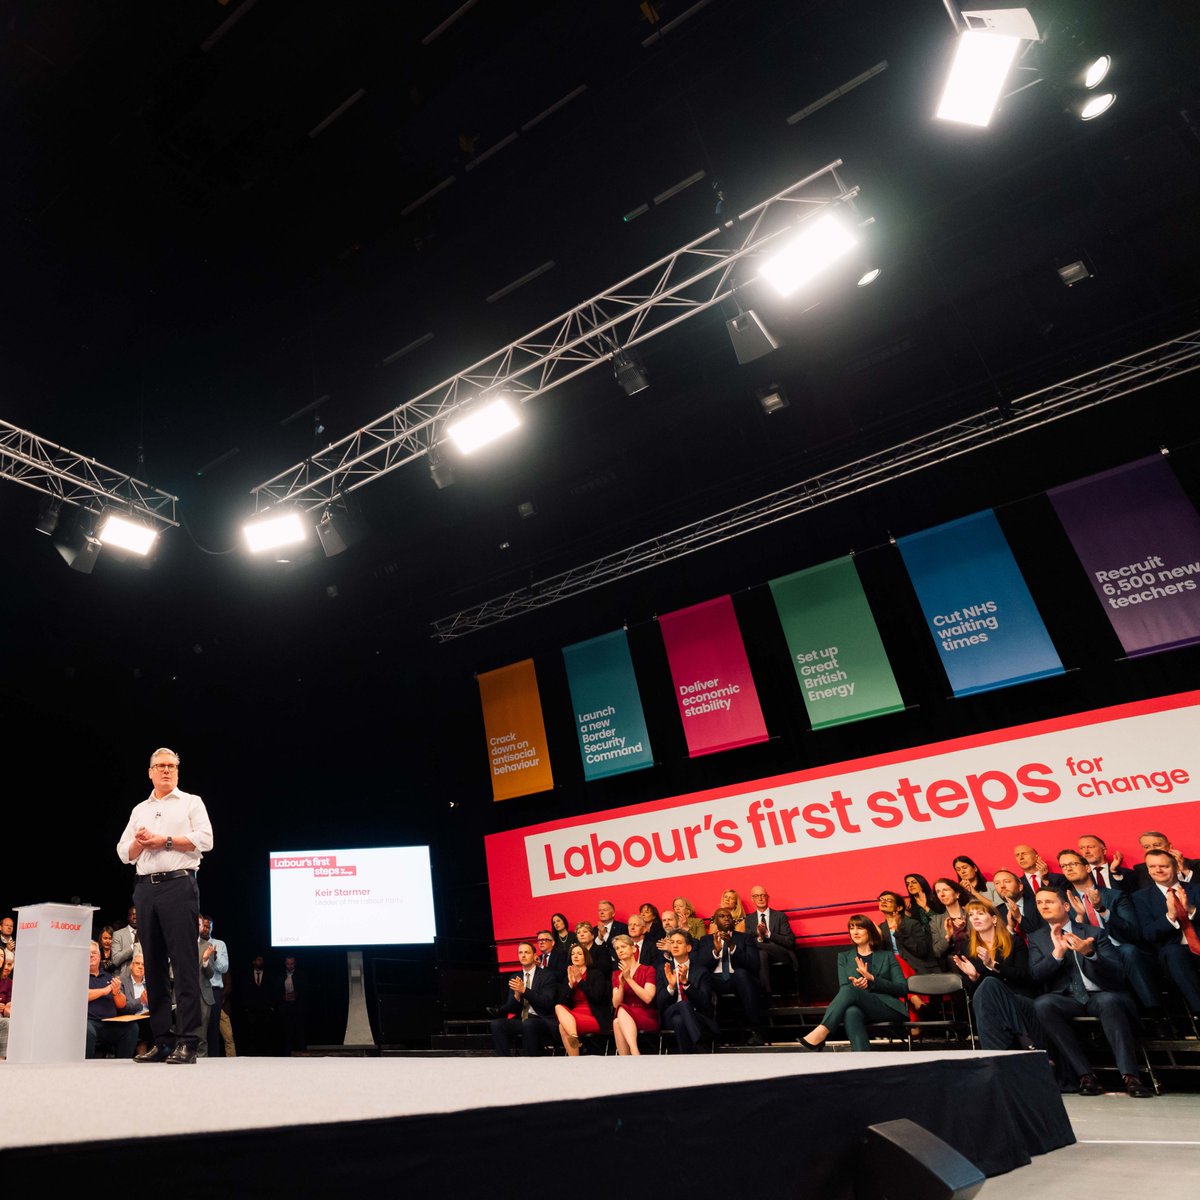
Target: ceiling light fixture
[(274, 530), (1097, 106), (1097, 71), (976, 80), (121, 532), (818, 244), (483, 424), (868, 277)]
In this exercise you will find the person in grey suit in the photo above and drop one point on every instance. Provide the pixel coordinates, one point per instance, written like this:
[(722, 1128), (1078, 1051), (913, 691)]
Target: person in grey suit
[(773, 936), (124, 939), (1080, 970)]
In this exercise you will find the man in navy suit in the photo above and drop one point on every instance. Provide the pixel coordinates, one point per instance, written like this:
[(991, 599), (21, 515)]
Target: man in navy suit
[(1081, 973), (684, 995), (1112, 910), (773, 936), (1168, 921), (1105, 873), (607, 926), (532, 996), (1185, 868), (732, 958), (1035, 871)]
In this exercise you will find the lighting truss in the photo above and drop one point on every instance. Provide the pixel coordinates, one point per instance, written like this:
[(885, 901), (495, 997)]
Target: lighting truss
[(76, 479), (685, 283), (1156, 364)]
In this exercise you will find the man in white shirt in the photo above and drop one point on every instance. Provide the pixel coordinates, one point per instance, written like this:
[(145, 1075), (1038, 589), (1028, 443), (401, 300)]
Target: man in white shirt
[(165, 838)]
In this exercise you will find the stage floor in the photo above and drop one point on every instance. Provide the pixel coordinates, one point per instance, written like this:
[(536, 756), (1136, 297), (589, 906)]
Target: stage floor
[(317, 1127), (54, 1104)]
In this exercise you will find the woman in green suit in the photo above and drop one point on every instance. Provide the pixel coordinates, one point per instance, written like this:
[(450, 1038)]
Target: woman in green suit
[(872, 989)]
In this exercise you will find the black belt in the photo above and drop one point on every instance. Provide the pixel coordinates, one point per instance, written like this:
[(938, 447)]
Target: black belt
[(163, 876)]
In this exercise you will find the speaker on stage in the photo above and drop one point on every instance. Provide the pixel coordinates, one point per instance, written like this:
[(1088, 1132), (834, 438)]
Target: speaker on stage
[(903, 1161)]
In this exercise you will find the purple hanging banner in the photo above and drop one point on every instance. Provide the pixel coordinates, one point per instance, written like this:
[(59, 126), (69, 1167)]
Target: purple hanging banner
[(1138, 537)]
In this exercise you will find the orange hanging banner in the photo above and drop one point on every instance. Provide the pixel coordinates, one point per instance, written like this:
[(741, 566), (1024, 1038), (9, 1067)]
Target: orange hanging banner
[(516, 736)]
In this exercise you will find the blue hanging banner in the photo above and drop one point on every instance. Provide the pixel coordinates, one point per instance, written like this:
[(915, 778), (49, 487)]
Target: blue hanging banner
[(980, 613), (608, 707)]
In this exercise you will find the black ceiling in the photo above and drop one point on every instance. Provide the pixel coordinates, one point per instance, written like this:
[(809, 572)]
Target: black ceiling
[(192, 255)]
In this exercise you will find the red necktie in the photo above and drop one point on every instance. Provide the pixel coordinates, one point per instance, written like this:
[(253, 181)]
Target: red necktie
[(1098, 878), (635, 954), (1091, 912), (683, 969), (1181, 915), (1037, 883), (545, 960)]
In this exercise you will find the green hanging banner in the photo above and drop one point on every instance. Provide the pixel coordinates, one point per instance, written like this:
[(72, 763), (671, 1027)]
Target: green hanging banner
[(840, 662)]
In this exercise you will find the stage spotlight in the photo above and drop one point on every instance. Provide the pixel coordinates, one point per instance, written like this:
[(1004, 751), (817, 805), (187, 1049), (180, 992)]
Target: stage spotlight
[(271, 531), (121, 532), (483, 424), (817, 244), (526, 509), (629, 373), (750, 337), (1096, 105), (772, 398), (868, 277), (440, 471), (338, 530), (48, 514), (1097, 71), (981, 65), (77, 544)]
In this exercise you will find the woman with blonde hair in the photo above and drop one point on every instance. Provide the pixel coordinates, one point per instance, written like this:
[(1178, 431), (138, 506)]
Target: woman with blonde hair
[(685, 918), (732, 901), (633, 988)]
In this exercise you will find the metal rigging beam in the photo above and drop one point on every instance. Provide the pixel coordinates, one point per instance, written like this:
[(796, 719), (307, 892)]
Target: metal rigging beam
[(76, 479), (1155, 364), (686, 282)]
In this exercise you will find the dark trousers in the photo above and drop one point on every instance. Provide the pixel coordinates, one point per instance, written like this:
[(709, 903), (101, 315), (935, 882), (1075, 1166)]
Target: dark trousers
[(168, 917), (533, 1033), (1183, 969), (854, 1008), (690, 1027), (1003, 1018), (1138, 964), (746, 988), (216, 1047), (1116, 1013), (119, 1036), (769, 952)]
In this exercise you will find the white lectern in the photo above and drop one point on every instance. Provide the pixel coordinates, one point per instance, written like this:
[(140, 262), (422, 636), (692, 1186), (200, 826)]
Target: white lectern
[(49, 997)]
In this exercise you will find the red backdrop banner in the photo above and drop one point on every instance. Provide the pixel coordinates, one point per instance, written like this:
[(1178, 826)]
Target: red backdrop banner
[(838, 834)]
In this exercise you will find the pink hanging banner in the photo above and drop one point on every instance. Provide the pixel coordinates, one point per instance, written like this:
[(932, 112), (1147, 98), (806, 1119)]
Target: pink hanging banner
[(713, 686)]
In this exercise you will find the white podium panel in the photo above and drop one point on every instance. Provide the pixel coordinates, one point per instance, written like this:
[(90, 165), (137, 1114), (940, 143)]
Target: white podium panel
[(49, 996)]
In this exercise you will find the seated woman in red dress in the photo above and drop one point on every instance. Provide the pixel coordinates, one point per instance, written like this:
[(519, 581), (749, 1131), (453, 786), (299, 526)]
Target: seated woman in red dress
[(632, 997), (589, 1009)]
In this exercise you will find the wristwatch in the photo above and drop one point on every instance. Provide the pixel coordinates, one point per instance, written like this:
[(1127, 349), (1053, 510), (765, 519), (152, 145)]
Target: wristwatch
[(170, 843)]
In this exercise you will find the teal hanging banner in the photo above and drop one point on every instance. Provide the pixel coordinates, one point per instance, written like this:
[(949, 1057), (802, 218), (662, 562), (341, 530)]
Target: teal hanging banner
[(840, 662), (609, 721)]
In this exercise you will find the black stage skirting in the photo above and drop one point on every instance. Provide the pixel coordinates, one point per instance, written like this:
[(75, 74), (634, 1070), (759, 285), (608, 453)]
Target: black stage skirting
[(797, 1134)]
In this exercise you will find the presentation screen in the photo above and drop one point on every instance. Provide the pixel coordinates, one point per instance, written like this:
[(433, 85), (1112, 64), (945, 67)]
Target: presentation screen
[(373, 897)]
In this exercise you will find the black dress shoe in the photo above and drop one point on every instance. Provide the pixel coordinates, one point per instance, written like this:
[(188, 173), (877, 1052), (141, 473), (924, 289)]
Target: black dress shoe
[(1136, 1088), (1089, 1085), (154, 1054), (182, 1054), (809, 1046)]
